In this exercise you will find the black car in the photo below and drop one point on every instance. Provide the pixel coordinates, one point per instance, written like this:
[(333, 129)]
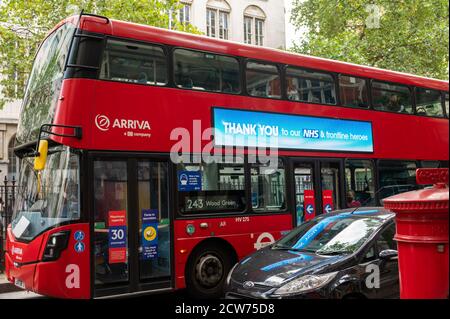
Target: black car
[(344, 254)]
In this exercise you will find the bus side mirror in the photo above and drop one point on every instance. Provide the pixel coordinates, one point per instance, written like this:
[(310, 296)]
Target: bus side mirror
[(39, 161)]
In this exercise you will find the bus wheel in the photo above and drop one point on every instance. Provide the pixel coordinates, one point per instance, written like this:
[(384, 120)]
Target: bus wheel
[(207, 269)]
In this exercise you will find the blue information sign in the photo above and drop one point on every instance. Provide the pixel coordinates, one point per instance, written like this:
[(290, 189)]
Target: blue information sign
[(261, 129), (149, 234), (79, 235), (79, 247), (189, 181)]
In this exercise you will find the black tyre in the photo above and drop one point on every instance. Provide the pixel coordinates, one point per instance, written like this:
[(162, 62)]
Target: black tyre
[(207, 270)]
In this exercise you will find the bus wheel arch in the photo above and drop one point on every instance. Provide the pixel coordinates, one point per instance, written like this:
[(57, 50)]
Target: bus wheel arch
[(207, 268)]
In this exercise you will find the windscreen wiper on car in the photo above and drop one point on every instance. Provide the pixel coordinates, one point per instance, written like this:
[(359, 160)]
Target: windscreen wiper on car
[(334, 252), (282, 247)]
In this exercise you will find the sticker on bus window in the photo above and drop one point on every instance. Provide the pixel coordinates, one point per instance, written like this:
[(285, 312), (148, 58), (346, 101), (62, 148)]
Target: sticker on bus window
[(327, 201), (149, 234), (189, 181), (309, 204), (117, 237)]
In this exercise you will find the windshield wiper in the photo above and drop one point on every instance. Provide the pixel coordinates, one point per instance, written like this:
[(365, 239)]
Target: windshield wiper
[(334, 252), (282, 247)]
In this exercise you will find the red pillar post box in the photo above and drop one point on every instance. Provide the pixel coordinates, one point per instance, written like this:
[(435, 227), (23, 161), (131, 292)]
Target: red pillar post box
[(422, 236)]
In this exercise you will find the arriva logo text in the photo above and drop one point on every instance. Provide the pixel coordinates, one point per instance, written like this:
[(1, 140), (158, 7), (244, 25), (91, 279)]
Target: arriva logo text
[(103, 123)]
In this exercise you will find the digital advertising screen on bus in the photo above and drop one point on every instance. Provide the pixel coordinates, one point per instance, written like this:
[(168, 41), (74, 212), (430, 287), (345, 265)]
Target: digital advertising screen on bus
[(261, 129)]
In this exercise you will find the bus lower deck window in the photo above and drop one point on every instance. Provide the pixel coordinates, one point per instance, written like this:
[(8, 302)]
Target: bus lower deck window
[(214, 187), (268, 187), (396, 177), (360, 183)]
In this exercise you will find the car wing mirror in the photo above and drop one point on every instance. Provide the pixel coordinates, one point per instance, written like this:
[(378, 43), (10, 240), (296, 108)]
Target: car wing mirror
[(388, 254)]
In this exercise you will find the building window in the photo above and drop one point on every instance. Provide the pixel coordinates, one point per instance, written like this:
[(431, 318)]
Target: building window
[(247, 30), (259, 32), (211, 23), (254, 19), (223, 25), (218, 19), (185, 14), (12, 160)]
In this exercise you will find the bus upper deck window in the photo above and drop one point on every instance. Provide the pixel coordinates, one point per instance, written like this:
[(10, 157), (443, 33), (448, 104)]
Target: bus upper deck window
[(353, 91), (263, 80), (391, 97), (446, 104), (134, 63), (206, 71), (429, 102), (310, 86)]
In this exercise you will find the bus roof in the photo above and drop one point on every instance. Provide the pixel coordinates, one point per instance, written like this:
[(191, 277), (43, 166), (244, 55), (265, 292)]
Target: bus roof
[(147, 33)]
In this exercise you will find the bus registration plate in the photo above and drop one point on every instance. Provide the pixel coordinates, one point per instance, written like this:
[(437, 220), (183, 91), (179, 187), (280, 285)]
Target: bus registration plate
[(19, 283)]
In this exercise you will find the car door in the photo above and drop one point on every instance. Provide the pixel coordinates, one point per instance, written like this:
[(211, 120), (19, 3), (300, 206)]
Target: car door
[(380, 277), (389, 277)]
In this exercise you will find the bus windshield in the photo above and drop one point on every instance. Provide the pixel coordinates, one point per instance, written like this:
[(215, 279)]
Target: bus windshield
[(49, 199), (44, 84)]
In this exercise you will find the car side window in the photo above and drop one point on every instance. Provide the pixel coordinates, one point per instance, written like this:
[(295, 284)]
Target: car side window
[(386, 239), (370, 254)]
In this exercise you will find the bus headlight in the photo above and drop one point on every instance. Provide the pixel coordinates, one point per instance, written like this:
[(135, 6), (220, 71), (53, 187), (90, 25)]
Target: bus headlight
[(56, 243), (305, 284)]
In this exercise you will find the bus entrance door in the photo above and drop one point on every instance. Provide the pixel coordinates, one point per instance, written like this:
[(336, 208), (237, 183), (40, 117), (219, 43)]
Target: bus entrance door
[(317, 185), (131, 226)]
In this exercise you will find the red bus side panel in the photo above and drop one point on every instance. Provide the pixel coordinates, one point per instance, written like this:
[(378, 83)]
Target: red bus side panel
[(245, 234), (132, 117)]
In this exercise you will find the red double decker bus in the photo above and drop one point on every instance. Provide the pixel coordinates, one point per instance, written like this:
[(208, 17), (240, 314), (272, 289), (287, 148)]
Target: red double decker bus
[(141, 168)]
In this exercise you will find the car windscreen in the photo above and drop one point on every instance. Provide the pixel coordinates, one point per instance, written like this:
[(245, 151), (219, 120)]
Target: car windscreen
[(330, 235)]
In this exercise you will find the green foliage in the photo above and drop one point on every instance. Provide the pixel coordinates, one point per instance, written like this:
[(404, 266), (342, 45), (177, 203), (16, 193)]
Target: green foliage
[(403, 35), (24, 24)]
